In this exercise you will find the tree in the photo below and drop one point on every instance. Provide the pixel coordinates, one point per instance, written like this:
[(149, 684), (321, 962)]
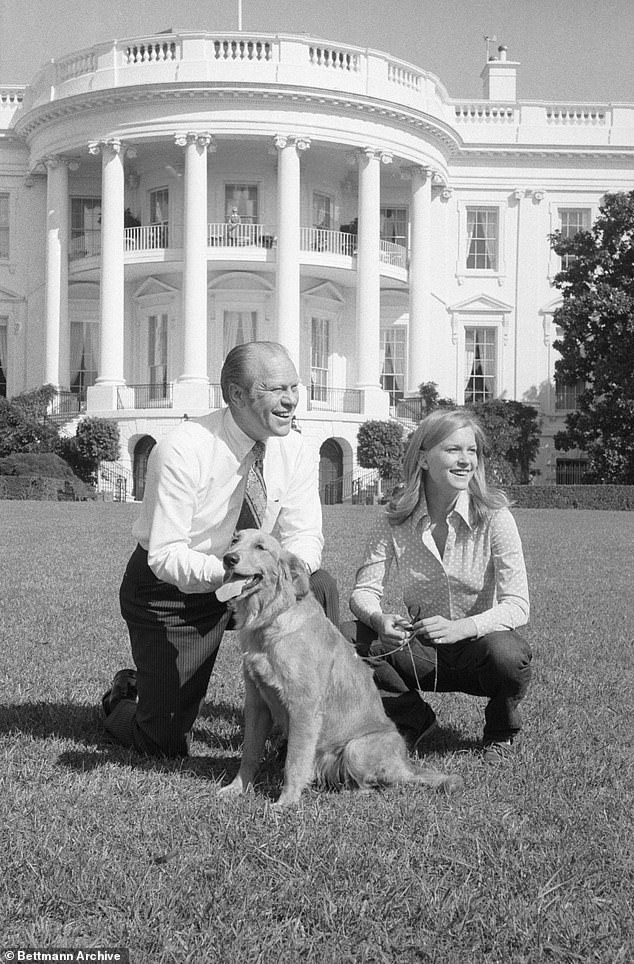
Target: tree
[(428, 391), (597, 345), (512, 429), (24, 426), (96, 440), (380, 445)]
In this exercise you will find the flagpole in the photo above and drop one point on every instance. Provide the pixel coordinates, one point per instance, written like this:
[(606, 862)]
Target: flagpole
[(239, 14)]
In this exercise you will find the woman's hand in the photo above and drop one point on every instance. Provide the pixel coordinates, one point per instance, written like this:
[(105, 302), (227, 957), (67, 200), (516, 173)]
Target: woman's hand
[(390, 627), (437, 629)]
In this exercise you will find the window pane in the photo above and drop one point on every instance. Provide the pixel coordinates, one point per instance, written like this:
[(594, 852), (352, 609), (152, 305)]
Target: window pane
[(243, 197), (393, 362), (482, 239), (320, 358), (4, 225), (480, 364), (322, 211), (394, 225), (567, 396), (239, 327), (85, 226), (573, 220)]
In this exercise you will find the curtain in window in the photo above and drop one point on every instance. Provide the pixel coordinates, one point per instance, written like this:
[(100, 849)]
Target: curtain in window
[(239, 328), (490, 240), (83, 353)]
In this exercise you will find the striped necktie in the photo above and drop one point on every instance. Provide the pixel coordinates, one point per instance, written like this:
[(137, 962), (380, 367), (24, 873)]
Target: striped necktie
[(254, 503)]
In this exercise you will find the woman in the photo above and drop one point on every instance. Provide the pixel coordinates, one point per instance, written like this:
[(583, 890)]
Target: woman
[(459, 556)]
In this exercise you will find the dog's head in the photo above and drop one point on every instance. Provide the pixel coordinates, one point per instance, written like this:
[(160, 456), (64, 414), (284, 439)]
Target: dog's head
[(260, 577)]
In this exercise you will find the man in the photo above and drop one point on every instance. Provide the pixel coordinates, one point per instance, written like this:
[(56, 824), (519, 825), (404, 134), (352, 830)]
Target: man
[(239, 467)]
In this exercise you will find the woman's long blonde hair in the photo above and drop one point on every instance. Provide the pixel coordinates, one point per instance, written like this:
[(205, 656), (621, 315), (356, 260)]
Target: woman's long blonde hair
[(433, 430)]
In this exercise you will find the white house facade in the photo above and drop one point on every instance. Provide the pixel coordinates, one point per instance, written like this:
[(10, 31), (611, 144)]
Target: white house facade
[(165, 198)]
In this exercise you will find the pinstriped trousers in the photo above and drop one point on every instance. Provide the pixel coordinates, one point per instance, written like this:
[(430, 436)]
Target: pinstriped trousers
[(175, 638)]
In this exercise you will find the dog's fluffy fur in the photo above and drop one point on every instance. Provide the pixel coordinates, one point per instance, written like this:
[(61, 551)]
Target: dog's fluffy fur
[(302, 674)]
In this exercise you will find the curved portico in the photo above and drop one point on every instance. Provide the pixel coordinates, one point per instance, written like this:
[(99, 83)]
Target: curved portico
[(194, 160)]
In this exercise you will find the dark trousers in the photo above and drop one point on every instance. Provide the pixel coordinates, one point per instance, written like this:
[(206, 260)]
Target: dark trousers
[(497, 665), (175, 638)]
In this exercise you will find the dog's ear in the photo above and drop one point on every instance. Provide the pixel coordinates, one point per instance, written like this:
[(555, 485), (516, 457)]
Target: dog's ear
[(297, 574)]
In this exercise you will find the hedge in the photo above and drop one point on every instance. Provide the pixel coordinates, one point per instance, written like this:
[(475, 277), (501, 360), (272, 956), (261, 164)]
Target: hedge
[(619, 497), (44, 489)]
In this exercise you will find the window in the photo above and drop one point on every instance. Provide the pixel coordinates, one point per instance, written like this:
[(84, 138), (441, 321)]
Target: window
[(482, 239), (322, 211), (393, 362), (570, 471), (4, 226), (239, 327), (159, 218), (83, 355), (573, 220), (394, 225), (243, 197), (480, 364), (157, 356), (567, 396), (319, 359), (85, 227), (4, 324)]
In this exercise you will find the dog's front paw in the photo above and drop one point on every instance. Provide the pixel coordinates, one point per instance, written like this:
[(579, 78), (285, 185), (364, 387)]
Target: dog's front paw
[(286, 800), (233, 789)]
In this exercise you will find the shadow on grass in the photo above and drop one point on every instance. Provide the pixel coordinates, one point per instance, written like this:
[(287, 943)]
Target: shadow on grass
[(84, 724)]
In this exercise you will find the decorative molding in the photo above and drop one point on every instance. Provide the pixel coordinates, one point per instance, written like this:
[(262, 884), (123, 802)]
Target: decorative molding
[(299, 141), (202, 139)]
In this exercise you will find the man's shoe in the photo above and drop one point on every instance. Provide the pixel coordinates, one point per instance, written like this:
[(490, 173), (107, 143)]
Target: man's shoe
[(428, 723), (497, 751), (123, 688)]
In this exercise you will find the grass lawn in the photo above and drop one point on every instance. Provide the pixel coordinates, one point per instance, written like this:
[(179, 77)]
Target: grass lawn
[(531, 863)]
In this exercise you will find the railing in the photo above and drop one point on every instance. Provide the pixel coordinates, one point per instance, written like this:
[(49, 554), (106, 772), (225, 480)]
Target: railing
[(359, 488), (327, 241), (410, 409), (146, 237), (116, 479), (394, 254), (65, 405), (145, 396), (86, 245), (215, 396), (242, 235), (334, 399), (243, 50)]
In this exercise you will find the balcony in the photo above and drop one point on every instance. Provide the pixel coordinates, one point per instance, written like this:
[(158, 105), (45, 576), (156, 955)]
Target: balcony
[(145, 396), (321, 399), (234, 241)]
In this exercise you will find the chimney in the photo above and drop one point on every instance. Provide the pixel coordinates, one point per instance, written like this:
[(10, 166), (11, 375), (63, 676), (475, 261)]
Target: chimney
[(500, 78)]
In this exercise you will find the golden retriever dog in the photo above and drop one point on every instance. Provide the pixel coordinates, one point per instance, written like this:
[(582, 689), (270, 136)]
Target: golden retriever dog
[(302, 674)]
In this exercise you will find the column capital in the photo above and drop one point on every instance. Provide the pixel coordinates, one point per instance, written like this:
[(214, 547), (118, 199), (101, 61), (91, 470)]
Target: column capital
[(298, 141), (372, 153), (113, 145), (538, 195), (519, 193), (202, 139), (53, 161)]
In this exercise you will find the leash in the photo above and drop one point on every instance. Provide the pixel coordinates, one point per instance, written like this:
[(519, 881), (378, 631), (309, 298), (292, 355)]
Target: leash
[(406, 644)]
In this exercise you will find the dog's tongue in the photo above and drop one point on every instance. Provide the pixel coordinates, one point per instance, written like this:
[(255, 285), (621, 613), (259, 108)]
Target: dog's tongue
[(230, 589)]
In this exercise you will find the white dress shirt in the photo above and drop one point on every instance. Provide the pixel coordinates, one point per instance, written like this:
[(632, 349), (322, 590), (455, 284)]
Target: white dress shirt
[(481, 573), (194, 489)]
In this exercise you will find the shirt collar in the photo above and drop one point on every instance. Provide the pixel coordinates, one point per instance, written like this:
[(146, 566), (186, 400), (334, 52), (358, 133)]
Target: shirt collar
[(462, 508), (239, 442)]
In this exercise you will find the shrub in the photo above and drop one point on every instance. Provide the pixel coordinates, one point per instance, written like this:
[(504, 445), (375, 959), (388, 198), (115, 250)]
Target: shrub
[(28, 475), (380, 445), (96, 440), (619, 497)]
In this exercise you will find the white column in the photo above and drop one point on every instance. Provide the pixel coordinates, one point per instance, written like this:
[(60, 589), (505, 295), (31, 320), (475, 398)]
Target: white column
[(368, 316), (419, 361), (57, 362), (287, 293), (195, 258), (111, 311)]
